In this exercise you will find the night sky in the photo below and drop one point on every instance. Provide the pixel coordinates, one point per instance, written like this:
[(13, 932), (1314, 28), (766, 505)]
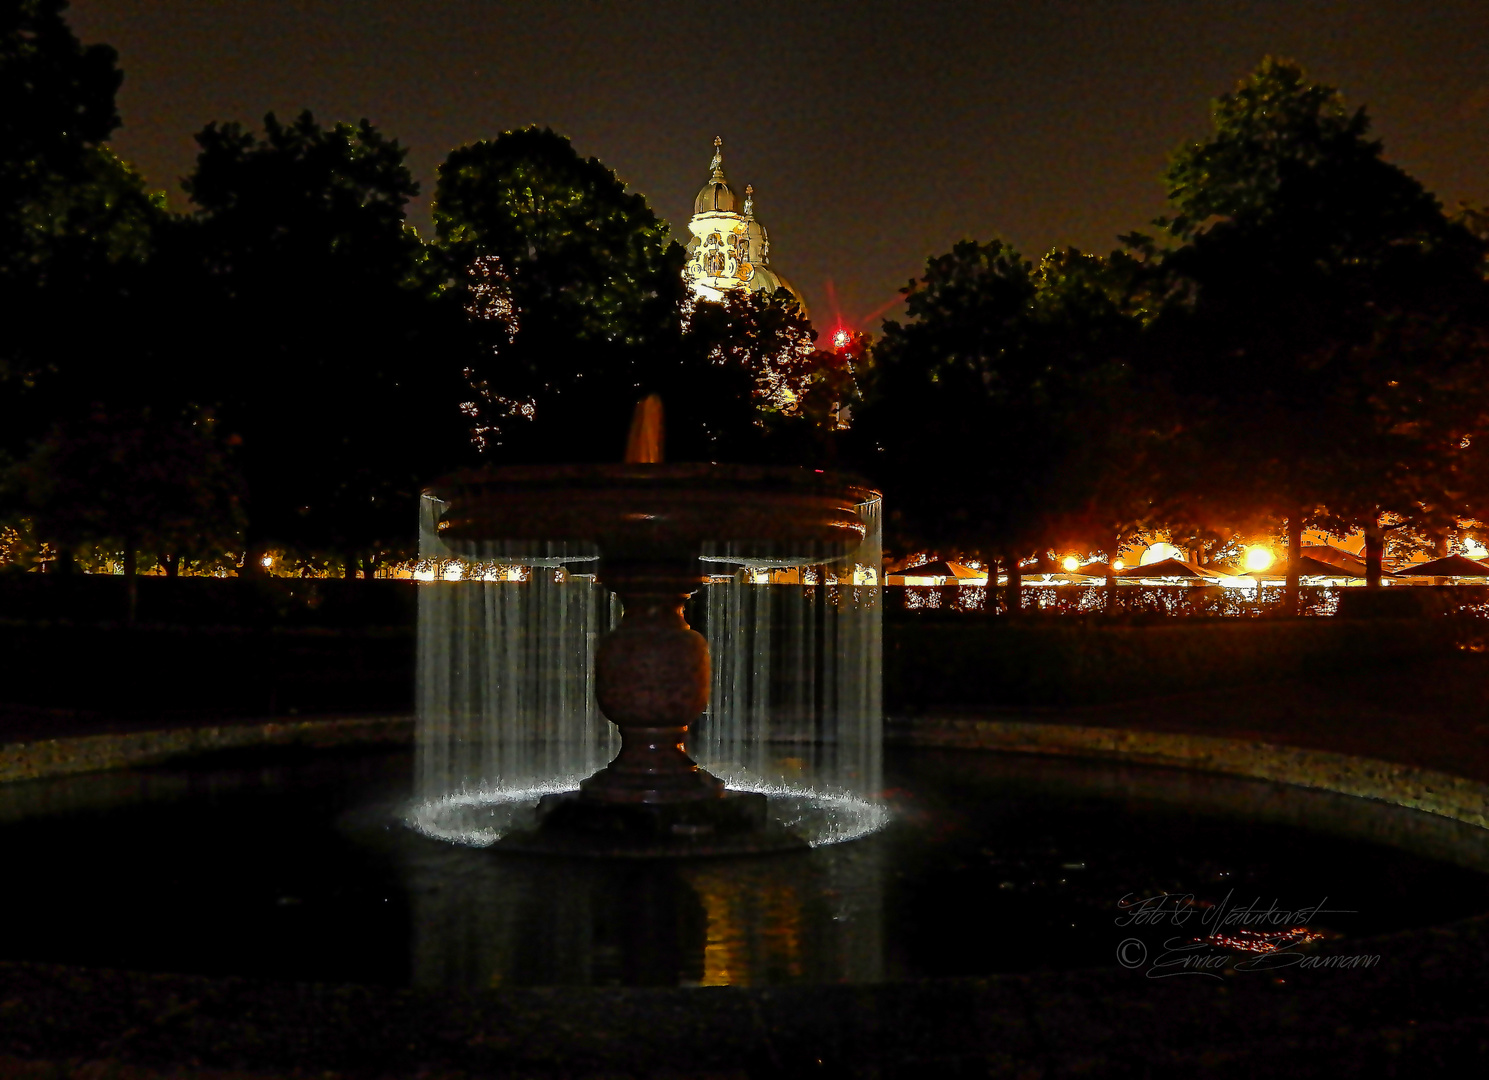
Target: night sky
[(875, 134)]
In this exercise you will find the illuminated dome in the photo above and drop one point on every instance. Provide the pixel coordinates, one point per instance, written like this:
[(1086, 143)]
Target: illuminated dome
[(716, 195), (729, 249)]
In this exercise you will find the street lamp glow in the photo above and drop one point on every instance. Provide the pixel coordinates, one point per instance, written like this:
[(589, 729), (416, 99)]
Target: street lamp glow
[(842, 339), (1158, 552), (1071, 564), (267, 561), (1258, 558)]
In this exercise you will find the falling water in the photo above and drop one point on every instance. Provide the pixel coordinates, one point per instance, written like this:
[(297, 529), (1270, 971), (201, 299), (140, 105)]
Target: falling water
[(506, 695), (796, 707)]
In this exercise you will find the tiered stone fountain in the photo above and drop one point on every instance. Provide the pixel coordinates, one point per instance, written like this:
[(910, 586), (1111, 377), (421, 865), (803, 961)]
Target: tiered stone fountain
[(653, 524)]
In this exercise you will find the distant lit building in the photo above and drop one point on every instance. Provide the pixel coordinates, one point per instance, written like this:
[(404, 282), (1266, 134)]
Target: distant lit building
[(729, 249)]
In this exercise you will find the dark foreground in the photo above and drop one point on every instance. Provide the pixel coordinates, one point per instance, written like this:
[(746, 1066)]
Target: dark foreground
[(1420, 1016)]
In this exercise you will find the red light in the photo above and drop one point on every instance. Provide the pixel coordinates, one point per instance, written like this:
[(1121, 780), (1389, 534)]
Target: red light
[(842, 339)]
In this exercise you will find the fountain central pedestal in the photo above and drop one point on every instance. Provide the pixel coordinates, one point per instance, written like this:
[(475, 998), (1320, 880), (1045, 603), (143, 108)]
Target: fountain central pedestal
[(652, 678)]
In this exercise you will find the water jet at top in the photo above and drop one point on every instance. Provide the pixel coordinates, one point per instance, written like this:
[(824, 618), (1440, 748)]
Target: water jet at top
[(576, 587)]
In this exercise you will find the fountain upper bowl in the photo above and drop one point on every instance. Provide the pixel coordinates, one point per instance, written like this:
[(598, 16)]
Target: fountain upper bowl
[(658, 510)]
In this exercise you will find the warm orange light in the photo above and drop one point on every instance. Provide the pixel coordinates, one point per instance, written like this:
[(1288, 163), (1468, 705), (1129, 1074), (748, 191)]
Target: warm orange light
[(1258, 558), (1118, 565), (1160, 551), (1071, 564), (267, 561)]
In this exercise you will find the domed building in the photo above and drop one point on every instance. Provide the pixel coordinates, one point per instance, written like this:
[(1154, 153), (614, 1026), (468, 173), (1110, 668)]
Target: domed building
[(729, 249)]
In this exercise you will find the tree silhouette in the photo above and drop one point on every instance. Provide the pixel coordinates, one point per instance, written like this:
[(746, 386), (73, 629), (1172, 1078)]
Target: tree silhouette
[(1104, 474), (1312, 360), (751, 385), (585, 290), (986, 416), (59, 111), (316, 331), (75, 222), (135, 482)]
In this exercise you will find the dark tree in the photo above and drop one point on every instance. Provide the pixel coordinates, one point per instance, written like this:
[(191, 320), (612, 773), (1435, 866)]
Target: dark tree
[(1090, 314), (135, 482), (575, 289), (954, 420), (315, 330), (930, 428), (751, 384), (59, 111), (75, 222), (1316, 357), (1000, 418)]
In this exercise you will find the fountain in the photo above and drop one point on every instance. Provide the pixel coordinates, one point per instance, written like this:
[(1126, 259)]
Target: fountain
[(520, 650)]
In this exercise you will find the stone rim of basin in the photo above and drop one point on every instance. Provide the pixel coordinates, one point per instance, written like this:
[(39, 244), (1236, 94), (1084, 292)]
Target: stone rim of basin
[(641, 510)]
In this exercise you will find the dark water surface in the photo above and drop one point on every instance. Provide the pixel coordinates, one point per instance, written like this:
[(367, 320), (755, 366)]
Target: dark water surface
[(297, 867)]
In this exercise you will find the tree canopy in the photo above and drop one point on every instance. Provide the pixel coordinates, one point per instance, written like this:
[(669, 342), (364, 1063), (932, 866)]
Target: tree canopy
[(75, 222), (1309, 354), (574, 285), (990, 416), (311, 310)]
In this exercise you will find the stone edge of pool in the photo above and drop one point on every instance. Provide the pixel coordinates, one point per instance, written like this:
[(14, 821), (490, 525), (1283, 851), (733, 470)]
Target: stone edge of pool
[(1435, 792), (41, 759)]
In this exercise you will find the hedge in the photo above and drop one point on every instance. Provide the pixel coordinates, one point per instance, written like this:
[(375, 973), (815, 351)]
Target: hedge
[(1058, 662)]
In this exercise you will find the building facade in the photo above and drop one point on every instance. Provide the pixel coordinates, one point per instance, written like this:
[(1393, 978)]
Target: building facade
[(729, 249)]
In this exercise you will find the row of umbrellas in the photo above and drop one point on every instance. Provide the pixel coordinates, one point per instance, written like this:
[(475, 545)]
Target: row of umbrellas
[(1314, 562), (1338, 567)]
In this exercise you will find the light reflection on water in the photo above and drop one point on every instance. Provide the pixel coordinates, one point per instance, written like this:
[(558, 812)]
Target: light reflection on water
[(537, 920)]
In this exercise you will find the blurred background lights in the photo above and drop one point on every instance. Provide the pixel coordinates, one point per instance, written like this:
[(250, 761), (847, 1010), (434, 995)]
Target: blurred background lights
[(1258, 557), (1159, 552)]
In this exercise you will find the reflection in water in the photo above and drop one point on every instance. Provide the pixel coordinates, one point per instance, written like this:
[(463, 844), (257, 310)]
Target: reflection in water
[(807, 917), (295, 866)]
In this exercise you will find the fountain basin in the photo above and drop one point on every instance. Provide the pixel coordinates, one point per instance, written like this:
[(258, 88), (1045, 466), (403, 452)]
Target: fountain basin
[(298, 869), (1429, 987)]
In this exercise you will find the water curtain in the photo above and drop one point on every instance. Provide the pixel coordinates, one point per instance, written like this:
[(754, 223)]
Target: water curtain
[(506, 693)]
